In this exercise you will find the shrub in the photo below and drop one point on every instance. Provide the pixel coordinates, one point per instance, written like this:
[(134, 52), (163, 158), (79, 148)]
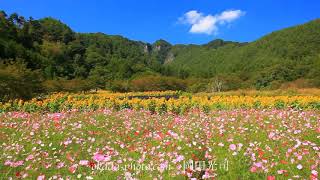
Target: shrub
[(157, 83), (74, 85), (18, 82)]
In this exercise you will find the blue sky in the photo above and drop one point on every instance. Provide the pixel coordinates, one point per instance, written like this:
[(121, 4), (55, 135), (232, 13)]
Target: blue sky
[(177, 21)]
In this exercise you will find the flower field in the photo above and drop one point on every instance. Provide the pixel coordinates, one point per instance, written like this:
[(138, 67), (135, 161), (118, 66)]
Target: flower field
[(119, 136), (161, 102)]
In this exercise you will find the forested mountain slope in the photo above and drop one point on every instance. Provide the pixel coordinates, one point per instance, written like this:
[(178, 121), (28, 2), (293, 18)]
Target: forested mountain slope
[(284, 55), (47, 55)]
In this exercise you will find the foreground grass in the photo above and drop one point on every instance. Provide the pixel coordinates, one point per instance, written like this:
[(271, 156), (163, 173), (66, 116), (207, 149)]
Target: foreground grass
[(227, 144)]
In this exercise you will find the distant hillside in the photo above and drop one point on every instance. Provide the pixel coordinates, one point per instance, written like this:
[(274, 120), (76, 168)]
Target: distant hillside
[(49, 49), (284, 55)]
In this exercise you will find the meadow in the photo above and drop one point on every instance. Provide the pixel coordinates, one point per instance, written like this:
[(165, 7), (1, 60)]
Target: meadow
[(162, 135)]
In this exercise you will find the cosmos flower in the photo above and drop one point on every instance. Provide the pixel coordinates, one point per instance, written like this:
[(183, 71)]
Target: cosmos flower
[(314, 175), (41, 177), (271, 178), (84, 162), (299, 166), (232, 147), (101, 157), (163, 166)]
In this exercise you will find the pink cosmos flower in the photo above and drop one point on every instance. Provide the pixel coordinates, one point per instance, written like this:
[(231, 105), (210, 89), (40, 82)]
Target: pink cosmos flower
[(253, 169), (207, 155), (177, 120), (13, 164), (8, 163), (314, 172), (84, 162), (314, 175), (41, 177), (206, 175), (272, 135), (47, 165), (178, 159), (281, 171), (56, 116), (163, 166), (115, 168), (73, 168), (60, 165), (258, 164), (101, 157), (21, 115), (127, 175), (107, 111), (30, 157), (18, 163), (232, 147), (173, 134), (271, 178), (67, 142), (35, 126)]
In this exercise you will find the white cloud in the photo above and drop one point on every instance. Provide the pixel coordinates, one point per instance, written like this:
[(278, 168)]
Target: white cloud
[(205, 24), (230, 15), (193, 16), (208, 24)]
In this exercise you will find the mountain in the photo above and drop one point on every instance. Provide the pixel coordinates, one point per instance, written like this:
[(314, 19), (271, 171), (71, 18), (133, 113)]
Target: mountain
[(219, 43), (284, 55), (49, 49)]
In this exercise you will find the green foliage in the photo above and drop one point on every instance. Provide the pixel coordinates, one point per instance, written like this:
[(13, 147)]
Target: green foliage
[(54, 30), (70, 61), (157, 83), (16, 81), (119, 86), (197, 87), (282, 56), (74, 85), (219, 43)]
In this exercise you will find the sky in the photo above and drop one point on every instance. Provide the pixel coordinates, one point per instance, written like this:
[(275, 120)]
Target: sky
[(176, 21)]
